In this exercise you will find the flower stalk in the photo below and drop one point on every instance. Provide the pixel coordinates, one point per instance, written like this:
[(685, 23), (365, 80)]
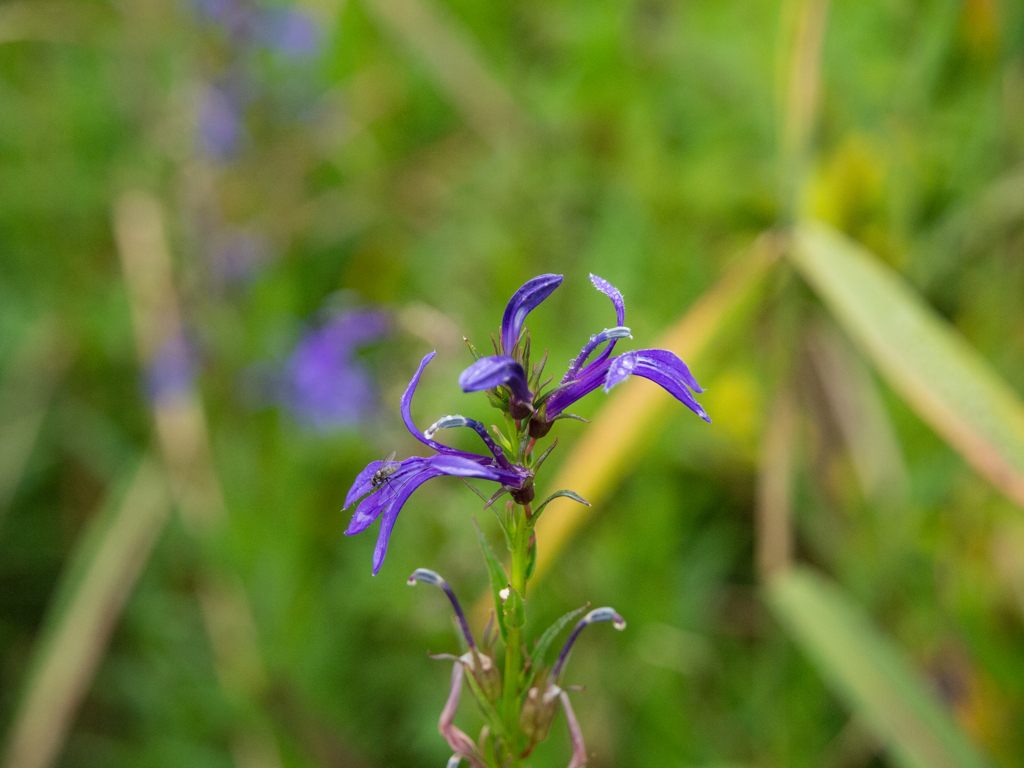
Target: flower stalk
[(519, 704)]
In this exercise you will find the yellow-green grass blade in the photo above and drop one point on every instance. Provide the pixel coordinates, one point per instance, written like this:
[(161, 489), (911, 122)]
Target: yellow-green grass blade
[(933, 368), (29, 382), (869, 673), (94, 589), (621, 428), (610, 443)]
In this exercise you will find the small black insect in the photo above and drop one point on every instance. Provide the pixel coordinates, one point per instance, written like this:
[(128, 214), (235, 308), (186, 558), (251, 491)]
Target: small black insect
[(386, 470)]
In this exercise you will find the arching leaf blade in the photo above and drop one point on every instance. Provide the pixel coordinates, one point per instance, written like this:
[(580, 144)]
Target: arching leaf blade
[(869, 673)]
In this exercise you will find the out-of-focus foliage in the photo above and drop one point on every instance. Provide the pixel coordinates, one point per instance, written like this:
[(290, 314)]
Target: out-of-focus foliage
[(426, 157)]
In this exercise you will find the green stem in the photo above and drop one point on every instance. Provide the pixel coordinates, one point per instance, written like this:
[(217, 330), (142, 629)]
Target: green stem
[(513, 650)]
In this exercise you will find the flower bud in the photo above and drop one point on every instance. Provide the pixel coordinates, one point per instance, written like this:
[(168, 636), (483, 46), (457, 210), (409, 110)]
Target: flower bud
[(523, 495), (538, 712), (539, 427), (486, 674), (519, 409)]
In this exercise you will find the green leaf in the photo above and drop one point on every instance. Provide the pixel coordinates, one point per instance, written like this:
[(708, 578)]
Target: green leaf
[(472, 350), (558, 494), (541, 649), (499, 580), (477, 491), (515, 608), (502, 440), (869, 673), (942, 377), (547, 452)]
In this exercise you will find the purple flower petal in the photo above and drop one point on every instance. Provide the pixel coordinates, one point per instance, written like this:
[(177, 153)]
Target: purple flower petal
[(671, 361), (612, 293), (362, 486), (589, 379), (387, 501), (579, 749), (659, 365), (608, 334), (220, 124), (448, 422), (293, 33), (495, 371), (620, 369), (407, 412), (521, 304), (323, 385), (663, 368), (170, 374)]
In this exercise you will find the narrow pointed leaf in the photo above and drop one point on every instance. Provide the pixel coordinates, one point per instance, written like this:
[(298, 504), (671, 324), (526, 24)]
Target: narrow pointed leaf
[(541, 649), (477, 491), (868, 672), (499, 580), (939, 374), (557, 495), (543, 457)]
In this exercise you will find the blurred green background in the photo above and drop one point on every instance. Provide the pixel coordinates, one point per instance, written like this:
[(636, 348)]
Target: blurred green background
[(296, 164)]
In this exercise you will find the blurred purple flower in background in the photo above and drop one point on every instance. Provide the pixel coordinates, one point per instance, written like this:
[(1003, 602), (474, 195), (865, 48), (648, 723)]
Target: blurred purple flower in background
[(171, 372), (219, 123), (288, 31), (249, 28), (323, 384), (235, 255)]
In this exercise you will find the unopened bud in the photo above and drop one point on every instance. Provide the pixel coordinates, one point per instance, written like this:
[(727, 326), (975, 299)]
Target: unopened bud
[(523, 495), (538, 712), (518, 409), (486, 674)]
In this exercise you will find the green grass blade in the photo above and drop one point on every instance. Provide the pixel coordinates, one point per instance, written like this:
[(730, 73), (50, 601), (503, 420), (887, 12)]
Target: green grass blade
[(945, 380), (26, 389), (869, 673), (87, 604)]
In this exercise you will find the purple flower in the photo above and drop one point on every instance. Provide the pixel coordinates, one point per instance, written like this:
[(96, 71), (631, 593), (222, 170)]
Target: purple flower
[(496, 371), (594, 617), (383, 496), (235, 255), (522, 303), (171, 372), (508, 370), (584, 375), (541, 703), (323, 384), (292, 33), (220, 124)]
